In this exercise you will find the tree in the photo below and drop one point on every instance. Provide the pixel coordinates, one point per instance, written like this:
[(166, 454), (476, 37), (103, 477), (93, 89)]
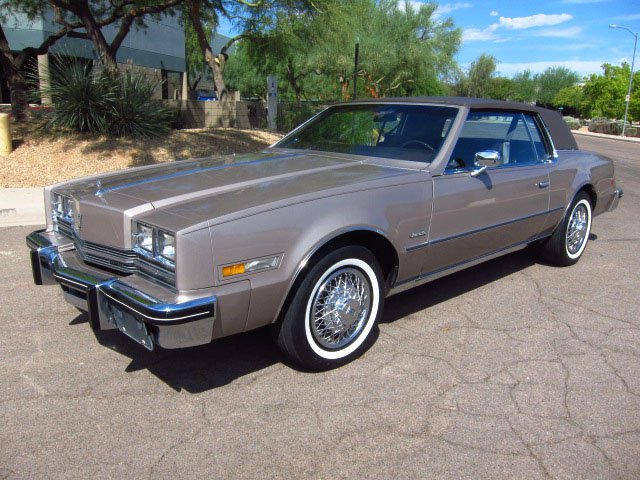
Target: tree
[(551, 81), (524, 87), (12, 63), (604, 94), (70, 15), (95, 14), (249, 17), (403, 50), (570, 100)]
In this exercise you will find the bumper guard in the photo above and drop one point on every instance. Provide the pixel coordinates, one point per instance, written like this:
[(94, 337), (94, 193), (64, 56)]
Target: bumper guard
[(111, 303)]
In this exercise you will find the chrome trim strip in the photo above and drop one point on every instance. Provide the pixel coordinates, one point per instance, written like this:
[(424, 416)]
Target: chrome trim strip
[(453, 237), (441, 272)]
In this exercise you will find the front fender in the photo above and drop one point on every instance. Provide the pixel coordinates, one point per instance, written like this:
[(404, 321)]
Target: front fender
[(298, 231)]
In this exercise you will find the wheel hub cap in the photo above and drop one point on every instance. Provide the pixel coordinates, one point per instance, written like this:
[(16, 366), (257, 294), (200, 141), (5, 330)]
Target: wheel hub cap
[(340, 308), (577, 231)]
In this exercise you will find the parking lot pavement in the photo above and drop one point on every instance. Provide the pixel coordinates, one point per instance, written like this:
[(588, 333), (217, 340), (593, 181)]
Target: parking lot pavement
[(512, 369)]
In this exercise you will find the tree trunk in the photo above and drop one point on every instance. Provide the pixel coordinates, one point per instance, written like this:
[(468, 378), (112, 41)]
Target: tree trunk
[(19, 97), (105, 53), (10, 66), (217, 67)]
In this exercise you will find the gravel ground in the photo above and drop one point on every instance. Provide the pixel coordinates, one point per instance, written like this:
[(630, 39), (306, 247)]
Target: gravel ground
[(39, 160)]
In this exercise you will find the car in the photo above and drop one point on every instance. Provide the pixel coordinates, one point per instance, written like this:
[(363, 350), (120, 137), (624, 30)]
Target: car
[(206, 95), (364, 200)]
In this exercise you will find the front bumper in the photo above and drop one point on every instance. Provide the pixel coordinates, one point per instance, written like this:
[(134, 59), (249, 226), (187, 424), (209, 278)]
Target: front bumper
[(617, 195), (146, 312)]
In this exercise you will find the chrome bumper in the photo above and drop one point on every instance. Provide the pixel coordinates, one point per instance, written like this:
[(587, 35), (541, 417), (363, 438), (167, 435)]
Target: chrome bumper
[(171, 322), (617, 195)]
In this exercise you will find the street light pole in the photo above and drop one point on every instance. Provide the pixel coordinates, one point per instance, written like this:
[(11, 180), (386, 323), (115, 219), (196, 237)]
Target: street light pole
[(633, 60)]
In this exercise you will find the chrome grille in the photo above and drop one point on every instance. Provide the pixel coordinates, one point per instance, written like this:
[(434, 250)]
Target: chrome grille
[(110, 257), (123, 261), (65, 227)]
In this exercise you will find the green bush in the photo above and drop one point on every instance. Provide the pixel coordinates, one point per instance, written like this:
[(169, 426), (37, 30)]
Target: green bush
[(114, 104), (572, 123), (134, 112)]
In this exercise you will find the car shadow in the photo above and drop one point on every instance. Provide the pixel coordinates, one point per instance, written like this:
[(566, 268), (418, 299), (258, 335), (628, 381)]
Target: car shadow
[(446, 288), (202, 368), (219, 363)]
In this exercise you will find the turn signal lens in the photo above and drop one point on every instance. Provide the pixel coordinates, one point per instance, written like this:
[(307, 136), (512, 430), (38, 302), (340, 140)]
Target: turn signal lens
[(251, 266), (233, 270)]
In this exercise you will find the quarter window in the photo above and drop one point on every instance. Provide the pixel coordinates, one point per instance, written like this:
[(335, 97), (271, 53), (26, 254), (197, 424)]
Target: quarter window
[(514, 136)]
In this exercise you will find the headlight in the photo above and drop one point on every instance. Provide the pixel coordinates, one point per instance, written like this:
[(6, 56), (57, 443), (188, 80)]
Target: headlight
[(166, 245), (143, 237), (62, 213), (155, 245)]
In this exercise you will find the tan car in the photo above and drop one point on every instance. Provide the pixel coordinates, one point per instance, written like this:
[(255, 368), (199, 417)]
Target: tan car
[(361, 202)]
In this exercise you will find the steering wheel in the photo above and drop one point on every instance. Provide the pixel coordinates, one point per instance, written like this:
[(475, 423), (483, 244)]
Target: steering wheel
[(419, 143)]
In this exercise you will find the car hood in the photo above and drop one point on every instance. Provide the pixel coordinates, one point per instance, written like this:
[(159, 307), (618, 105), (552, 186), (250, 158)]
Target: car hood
[(189, 193)]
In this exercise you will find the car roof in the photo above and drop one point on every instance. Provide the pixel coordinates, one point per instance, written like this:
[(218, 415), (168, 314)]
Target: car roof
[(560, 133)]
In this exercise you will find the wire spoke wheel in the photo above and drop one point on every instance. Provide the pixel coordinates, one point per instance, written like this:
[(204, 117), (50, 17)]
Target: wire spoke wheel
[(577, 229), (340, 308)]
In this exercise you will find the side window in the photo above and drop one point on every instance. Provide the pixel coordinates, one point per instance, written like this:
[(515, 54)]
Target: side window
[(536, 137), (509, 134)]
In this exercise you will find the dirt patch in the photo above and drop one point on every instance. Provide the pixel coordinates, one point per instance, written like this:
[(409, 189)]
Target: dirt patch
[(39, 160)]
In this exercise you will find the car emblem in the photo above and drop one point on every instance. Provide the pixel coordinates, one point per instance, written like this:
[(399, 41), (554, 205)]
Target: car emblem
[(417, 234)]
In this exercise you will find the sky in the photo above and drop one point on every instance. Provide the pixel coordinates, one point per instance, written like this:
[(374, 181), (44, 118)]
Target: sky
[(534, 35)]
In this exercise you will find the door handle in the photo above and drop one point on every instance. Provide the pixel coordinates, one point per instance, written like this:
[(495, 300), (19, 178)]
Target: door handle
[(543, 184)]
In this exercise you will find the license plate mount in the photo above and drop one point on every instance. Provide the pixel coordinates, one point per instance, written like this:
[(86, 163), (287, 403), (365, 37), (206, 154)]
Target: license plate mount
[(132, 328)]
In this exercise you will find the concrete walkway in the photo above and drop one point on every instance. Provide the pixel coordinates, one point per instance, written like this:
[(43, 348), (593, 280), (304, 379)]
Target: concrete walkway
[(25, 206), (21, 206)]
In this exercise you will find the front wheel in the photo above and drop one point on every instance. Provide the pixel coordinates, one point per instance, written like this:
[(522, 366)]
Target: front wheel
[(566, 245), (333, 316)]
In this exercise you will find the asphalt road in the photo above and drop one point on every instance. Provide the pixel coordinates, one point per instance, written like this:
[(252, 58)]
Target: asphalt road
[(513, 369)]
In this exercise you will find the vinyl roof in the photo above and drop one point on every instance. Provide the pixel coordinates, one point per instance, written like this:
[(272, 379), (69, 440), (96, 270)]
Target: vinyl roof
[(560, 133)]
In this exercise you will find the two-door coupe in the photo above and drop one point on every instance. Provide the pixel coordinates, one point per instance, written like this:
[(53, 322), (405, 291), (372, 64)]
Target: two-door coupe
[(364, 200)]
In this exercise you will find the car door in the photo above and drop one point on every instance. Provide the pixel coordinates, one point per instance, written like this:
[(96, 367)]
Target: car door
[(475, 215)]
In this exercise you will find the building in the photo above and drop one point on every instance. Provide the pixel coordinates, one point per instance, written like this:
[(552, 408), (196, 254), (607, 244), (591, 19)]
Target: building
[(157, 50)]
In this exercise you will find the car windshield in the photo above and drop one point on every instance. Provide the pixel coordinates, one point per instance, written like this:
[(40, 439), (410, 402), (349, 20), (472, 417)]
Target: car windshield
[(405, 132)]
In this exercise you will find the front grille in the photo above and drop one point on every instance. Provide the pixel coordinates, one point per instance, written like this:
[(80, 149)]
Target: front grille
[(110, 257), (65, 227), (122, 261)]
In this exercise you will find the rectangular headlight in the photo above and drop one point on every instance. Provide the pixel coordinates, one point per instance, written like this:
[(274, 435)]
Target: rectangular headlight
[(143, 237), (166, 245)]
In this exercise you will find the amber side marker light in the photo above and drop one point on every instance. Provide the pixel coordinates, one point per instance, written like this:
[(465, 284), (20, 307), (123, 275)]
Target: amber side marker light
[(251, 266), (233, 270)]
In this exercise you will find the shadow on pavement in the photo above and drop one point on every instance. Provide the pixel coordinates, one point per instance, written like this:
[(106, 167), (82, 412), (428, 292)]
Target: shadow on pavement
[(202, 368), (446, 288)]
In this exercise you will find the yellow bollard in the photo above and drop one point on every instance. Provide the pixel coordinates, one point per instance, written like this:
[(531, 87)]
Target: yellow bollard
[(6, 146)]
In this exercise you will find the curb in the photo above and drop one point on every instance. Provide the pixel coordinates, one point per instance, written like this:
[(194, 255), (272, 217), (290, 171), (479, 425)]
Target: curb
[(610, 137), (21, 206)]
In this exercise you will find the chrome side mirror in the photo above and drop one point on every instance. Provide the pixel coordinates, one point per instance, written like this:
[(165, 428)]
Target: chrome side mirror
[(485, 159)]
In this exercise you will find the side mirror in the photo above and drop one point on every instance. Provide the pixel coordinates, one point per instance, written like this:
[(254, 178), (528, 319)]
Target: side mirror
[(485, 159)]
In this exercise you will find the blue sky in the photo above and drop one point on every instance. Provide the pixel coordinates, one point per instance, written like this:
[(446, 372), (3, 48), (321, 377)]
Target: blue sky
[(530, 34)]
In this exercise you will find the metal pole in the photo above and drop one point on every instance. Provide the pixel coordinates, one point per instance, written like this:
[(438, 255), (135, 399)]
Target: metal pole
[(627, 99), (355, 72)]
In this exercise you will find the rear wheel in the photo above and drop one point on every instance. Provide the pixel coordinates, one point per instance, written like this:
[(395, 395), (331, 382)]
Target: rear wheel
[(566, 245), (333, 316)]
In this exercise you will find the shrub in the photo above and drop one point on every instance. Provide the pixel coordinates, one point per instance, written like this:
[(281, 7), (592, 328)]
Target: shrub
[(134, 112), (81, 98), (572, 123), (115, 104)]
